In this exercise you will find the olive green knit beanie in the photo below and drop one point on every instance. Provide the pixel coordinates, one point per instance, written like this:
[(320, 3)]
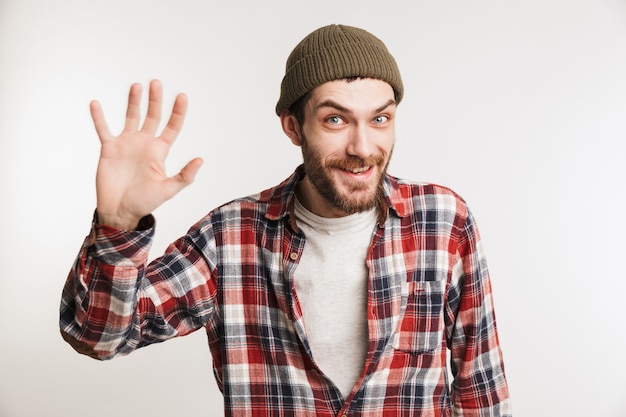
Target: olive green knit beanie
[(335, 52)]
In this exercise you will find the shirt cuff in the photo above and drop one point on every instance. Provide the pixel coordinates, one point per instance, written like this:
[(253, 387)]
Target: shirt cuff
[(121, 247)]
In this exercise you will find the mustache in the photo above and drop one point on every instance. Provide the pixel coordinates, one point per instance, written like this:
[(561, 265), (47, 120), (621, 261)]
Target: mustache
[(354, 162)]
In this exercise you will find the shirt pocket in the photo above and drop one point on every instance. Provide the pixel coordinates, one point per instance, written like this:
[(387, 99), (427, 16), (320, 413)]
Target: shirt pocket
[(421, 326)]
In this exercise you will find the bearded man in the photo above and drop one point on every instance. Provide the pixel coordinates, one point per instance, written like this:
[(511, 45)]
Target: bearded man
[(338, 292)]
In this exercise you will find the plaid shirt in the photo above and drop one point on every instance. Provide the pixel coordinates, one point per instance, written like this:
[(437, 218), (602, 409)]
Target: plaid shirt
[(232, 274)]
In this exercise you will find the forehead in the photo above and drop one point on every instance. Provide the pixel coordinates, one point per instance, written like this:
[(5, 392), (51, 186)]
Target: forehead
[(362, 94)]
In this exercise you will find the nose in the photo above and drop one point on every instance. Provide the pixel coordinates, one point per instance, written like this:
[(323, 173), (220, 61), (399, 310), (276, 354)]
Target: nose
[(360, 142)]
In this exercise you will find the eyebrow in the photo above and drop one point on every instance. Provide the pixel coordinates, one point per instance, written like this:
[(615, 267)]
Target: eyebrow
[(339, 107)]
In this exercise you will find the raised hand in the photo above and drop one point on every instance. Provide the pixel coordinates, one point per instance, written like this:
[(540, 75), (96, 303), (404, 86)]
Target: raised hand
[(131, 181)]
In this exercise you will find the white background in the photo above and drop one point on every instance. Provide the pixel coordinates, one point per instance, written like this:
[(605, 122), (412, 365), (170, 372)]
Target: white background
[(520, 106)]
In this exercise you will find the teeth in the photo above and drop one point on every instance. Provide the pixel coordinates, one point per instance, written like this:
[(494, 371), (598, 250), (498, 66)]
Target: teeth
[(360, 170)]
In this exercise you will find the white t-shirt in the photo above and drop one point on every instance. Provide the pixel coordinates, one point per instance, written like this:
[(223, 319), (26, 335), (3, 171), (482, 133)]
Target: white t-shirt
[(331, 285)]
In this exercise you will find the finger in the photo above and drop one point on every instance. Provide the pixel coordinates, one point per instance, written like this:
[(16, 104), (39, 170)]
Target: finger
[(133, 111), (155, 100), (189, 171), (177, 118), (102, 129), (184, 177)]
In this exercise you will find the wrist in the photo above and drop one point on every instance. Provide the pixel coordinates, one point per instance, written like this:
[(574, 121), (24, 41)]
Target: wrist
[(118, 222)]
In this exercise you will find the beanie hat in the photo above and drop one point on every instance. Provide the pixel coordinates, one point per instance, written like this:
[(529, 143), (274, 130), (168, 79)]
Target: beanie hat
[(336, 52)]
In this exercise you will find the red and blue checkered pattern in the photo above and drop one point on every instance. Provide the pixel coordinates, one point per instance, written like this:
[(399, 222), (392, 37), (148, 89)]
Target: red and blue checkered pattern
[(232, 273)]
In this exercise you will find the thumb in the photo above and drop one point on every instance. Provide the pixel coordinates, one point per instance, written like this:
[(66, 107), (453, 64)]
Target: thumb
[(184, 177)]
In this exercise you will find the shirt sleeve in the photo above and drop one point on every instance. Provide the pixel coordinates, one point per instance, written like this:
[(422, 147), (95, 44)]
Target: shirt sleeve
[(479, 387), (114, 302)]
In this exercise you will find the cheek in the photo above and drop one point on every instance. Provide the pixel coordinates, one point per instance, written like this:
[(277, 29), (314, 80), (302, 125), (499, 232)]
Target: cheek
[(386, 144), (326, 149)]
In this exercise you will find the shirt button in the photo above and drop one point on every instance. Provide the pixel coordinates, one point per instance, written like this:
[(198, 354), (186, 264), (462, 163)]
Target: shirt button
[(293, 256)]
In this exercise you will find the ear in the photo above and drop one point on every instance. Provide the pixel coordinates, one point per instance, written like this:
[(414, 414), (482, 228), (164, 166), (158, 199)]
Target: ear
[(291, 127)]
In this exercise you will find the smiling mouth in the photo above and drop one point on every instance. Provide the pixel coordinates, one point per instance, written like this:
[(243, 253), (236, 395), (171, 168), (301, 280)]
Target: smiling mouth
[(358, 170), (357, 167), (357, 173), (354, 169)]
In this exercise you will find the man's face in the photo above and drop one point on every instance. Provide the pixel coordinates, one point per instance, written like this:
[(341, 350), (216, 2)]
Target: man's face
[(347, 140)]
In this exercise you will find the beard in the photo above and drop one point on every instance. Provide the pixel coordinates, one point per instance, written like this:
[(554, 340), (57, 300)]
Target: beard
[(359, 196)]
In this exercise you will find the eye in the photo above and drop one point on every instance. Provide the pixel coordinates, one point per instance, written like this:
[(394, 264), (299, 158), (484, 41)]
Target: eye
[(379, 120), (334, 120)]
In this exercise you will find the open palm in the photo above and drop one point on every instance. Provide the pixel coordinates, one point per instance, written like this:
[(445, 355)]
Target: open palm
[(131, 181)]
